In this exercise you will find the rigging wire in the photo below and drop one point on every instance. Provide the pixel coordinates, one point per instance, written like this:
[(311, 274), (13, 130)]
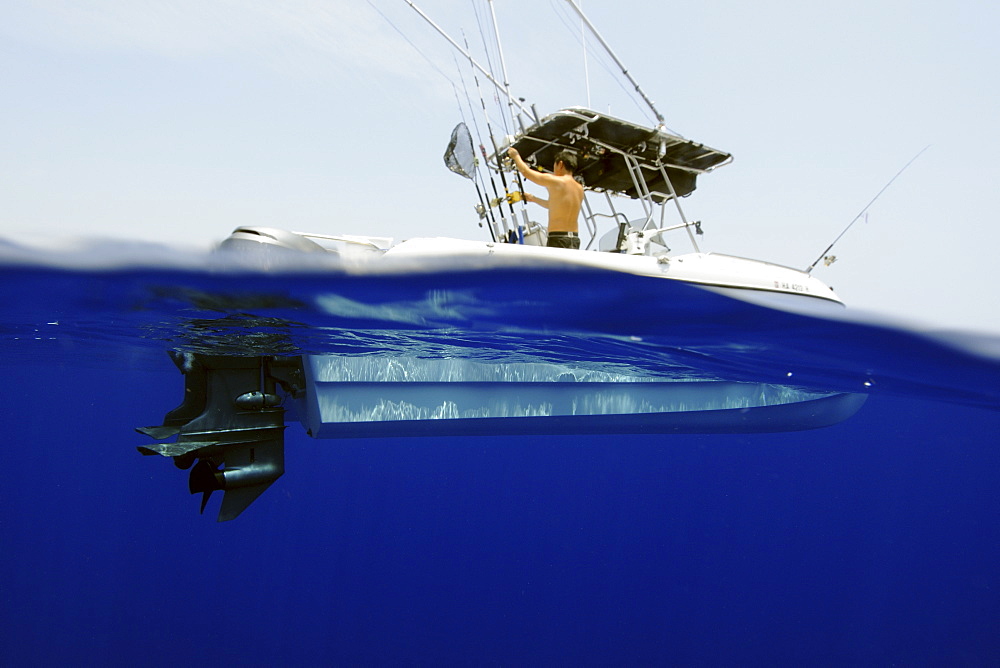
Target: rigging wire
[(450, 81), (865, 210), (416, 48)]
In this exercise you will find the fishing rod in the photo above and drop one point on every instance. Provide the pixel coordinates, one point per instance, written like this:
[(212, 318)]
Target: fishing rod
[(503, 179), (621, 66), (484, 210), (509, 197), (514, 118), (823, 255), (460, 157)]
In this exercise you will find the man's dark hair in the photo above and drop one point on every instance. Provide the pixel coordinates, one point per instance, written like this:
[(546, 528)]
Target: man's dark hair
[(568, 159)]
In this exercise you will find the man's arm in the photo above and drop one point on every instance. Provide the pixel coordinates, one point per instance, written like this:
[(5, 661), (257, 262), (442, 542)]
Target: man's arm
[(529, 173), (542, 202)]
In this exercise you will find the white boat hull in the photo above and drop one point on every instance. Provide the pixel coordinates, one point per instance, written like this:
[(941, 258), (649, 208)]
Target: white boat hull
[(725, 273), (734, 276)]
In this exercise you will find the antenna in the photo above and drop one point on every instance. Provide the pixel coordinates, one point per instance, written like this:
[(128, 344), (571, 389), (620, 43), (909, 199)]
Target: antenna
[(576, 8), (863, 211)]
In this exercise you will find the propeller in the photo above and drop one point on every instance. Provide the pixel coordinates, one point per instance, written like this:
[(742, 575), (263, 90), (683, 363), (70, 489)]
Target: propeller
[(204, 478)]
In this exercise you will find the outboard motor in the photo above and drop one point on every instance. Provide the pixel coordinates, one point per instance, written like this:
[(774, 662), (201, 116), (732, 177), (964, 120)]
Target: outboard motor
[(230, 426)]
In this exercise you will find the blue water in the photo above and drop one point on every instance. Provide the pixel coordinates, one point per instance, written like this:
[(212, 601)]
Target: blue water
[(872, 542)]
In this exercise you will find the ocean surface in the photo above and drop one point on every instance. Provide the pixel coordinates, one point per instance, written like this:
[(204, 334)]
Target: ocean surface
[(875, 541)]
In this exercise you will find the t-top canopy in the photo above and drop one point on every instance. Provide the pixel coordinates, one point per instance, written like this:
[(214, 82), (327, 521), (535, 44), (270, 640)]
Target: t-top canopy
[(611, 152)]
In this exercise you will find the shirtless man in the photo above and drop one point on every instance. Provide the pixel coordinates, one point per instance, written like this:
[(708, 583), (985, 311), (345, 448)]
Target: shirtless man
[(565, 197)]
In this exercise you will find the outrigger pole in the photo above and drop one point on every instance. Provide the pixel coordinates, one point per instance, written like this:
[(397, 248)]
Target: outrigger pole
[(503, 65), (510, 98), (621, 66), (659, 116)]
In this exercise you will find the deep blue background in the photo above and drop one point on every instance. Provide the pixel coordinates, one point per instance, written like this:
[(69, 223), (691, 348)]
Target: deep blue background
[(872, 542)]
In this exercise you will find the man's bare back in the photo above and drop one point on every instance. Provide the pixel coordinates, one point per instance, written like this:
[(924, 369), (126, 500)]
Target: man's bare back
[(565, 193)]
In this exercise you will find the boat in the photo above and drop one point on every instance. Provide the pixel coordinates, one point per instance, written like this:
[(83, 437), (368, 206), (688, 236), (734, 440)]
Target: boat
[(619, 160), (229, 428)]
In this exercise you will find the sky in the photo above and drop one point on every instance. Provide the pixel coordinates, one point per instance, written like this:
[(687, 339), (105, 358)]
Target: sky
[(176, 121)]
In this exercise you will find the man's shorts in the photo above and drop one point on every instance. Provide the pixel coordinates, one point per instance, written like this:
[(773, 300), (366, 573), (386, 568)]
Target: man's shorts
[(563, 240)]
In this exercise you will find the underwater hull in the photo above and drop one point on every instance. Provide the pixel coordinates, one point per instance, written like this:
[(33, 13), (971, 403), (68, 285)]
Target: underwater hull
[(799, 416), (352, 398)]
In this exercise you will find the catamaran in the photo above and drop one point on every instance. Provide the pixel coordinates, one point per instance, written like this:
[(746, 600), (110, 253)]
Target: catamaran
[(229, 429)]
